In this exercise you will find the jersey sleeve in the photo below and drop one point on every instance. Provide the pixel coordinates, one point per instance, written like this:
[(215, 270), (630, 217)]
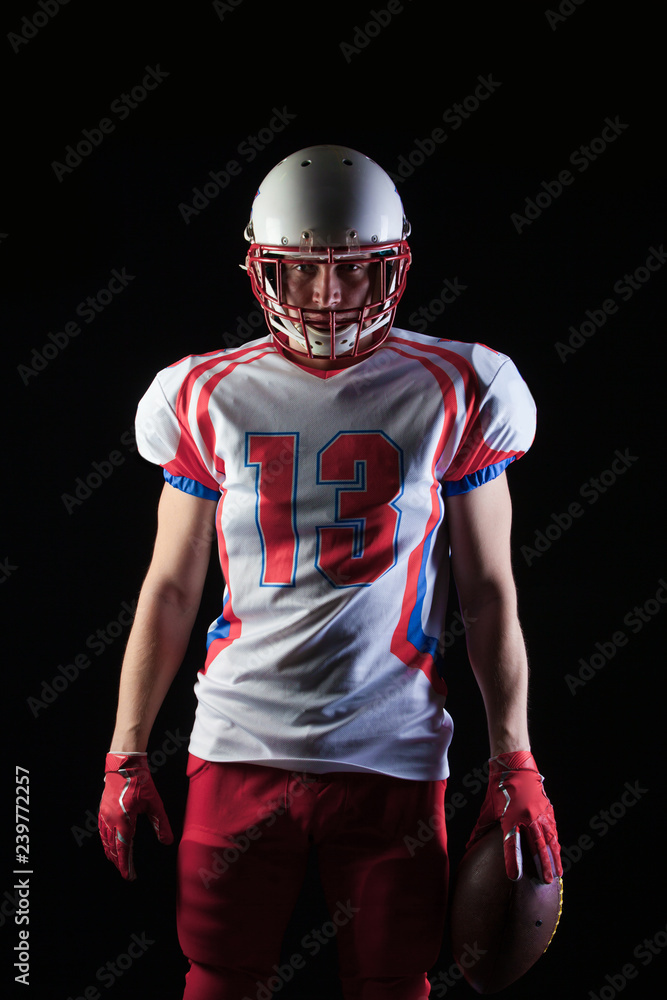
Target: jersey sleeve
[(499, 428), (167, 435)]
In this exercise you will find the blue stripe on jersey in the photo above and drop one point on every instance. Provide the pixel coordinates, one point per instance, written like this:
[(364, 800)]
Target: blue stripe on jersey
[(191, 486), (219, 629), (475, 479), (416, 635)]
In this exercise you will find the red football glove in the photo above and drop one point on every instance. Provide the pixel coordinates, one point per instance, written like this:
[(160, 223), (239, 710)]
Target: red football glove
[(128, 791), (516, 799)]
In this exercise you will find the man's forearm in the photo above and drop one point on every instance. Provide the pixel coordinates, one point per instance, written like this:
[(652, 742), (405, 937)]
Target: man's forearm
[(155, 650), (497, 654)]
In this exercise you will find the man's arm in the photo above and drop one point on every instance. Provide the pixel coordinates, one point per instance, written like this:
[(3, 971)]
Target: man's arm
[(167, 607), (479, 530), (479, 526), (166, 611)]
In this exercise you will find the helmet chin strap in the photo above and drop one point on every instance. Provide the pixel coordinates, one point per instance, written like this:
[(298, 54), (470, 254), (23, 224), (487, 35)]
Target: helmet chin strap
[(320, 340)]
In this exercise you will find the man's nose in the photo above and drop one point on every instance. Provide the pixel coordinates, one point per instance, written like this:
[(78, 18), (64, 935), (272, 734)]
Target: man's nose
[(326, 287)]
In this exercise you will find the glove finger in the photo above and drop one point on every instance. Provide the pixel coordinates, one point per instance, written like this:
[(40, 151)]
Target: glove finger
[(125, 857), (107, 838), (541, 854), (158, 817), (513, 855), (556, 866), (117, 845), (543, 867), (554, 849)]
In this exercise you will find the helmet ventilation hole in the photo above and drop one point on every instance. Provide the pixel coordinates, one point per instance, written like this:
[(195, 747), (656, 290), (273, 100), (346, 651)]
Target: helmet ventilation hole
[(348, 163), (306, 163)]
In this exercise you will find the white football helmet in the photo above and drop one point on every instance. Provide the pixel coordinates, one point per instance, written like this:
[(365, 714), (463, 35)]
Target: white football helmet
[(328, 205)]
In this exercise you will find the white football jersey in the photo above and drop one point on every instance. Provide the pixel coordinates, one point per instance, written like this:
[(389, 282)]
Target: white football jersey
[(332, 539)]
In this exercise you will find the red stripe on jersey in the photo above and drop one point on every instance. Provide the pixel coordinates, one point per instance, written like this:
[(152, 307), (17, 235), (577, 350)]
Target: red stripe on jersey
[(463, 366), (189, 460), (473, 453), (401, 645), (207, 432), (206, 354), (204, 421)]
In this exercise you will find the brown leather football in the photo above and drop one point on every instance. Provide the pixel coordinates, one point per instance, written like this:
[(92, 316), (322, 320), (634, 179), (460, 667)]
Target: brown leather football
[(500, 928)]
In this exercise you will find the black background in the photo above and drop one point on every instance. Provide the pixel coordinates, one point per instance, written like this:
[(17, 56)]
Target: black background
[(68, 567)]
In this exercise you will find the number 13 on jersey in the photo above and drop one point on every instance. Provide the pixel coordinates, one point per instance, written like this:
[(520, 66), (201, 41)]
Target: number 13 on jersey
[(363, 472)]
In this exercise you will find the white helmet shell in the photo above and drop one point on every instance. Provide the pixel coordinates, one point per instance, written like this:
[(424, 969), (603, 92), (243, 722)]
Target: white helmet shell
[(328, 192)]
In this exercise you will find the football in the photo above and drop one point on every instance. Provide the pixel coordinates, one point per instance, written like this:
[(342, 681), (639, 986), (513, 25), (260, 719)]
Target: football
[(499, 928)]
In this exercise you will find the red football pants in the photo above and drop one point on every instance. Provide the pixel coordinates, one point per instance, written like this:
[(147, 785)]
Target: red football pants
[(382, 856)]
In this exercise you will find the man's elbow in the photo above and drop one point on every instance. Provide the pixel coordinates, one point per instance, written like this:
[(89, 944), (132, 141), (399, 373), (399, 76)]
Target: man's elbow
[(169, 595), (494, 595)]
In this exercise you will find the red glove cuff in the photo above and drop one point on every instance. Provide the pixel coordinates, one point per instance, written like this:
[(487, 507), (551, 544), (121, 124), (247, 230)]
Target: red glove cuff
[(115, 761), (513, 760)]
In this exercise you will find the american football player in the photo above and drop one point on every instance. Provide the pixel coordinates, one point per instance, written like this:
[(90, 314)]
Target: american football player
[(343, 464)]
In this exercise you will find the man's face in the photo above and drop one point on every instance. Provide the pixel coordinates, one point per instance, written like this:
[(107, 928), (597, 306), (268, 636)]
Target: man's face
[(342, 287)]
